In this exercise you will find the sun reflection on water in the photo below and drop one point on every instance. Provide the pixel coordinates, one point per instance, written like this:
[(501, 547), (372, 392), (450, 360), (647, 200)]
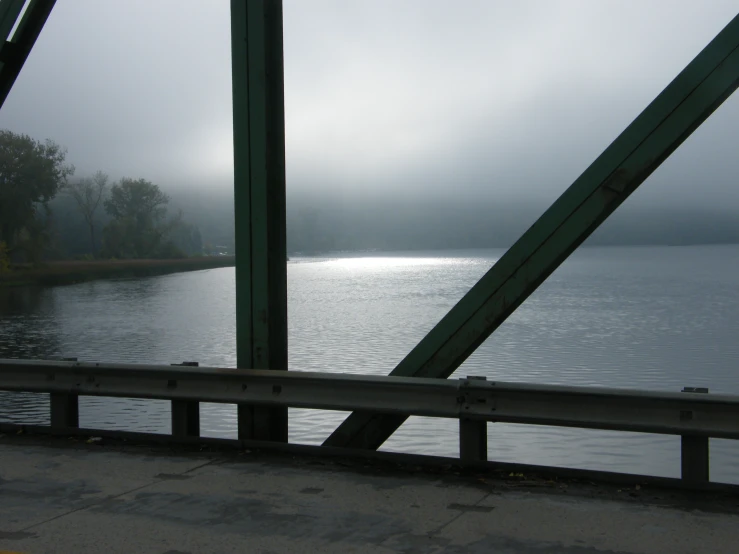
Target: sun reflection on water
[(390, 262)]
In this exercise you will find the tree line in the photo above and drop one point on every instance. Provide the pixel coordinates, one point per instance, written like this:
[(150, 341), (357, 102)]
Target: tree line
[(126, 219), (47, 213)]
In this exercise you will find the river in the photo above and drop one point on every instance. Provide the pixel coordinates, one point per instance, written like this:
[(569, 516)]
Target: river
[(634, 317)]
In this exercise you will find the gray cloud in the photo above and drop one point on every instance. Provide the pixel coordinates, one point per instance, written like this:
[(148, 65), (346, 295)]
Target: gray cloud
[(512, 99)]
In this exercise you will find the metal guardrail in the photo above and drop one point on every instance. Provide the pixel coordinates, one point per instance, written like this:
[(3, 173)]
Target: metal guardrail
[(473, 401)]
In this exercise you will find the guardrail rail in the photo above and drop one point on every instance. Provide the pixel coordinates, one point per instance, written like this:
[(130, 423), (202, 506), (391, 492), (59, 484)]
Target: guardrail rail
[(694, 414)]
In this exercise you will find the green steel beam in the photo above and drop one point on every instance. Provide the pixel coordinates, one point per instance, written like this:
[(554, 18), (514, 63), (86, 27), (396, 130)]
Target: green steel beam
[(14, 53), (259, 198), (9, 12), (686, 102)]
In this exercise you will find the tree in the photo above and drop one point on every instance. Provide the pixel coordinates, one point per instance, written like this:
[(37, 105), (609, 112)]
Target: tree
[(35, 237), (31, 174), (138, 208), (87, 193), (187, 238), (137, 199)]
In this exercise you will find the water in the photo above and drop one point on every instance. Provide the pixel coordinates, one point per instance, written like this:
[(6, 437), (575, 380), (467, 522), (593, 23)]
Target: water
[(648, 317)]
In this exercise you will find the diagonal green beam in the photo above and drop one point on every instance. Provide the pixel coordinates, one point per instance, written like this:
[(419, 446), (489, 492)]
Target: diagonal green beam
[(14, 53), (686, 103), (9, 12)]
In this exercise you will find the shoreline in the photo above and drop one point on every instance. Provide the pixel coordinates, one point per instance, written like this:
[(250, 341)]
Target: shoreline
[(71, 272)]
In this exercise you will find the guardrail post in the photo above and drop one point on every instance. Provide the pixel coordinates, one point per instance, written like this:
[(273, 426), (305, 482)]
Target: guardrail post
[(473, 437), (473, 440), (65, 410), (694, 451), (185, 413), (64, 407)]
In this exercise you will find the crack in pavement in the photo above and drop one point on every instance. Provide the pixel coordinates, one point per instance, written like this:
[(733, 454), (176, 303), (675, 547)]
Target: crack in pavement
[(113, 497)]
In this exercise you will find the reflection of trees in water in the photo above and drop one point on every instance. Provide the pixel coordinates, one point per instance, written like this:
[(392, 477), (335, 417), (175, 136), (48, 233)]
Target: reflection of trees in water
[(116, 321), (22, 301), (27, 330), (39, 323), (141, 288), (122, 320), (27, 326)]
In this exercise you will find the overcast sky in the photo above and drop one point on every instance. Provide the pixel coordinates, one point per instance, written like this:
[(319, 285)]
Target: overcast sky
[(393, 95)]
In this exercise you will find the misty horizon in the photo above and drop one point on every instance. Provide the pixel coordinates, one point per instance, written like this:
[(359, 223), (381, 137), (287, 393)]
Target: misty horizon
[(437, 112)]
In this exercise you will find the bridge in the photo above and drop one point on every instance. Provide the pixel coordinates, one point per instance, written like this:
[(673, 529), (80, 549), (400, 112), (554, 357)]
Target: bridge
[(65, 488)]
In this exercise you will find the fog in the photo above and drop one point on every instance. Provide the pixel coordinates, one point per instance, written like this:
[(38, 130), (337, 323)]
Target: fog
[(396, 112)]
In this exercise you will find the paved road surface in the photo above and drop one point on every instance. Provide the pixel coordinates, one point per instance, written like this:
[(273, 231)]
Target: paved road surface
[(67, 496)]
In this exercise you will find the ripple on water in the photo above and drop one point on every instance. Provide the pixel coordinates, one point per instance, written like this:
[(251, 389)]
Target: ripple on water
[(657, 318)]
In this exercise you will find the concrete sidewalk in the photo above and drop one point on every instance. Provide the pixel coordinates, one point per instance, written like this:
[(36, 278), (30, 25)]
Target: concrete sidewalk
[(61, 495)]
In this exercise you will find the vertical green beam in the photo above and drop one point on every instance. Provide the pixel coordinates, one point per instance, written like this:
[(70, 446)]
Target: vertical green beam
[(259, 199), (686, 102)]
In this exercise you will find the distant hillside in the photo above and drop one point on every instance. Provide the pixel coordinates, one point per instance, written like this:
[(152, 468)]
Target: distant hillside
[(323, 223)]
